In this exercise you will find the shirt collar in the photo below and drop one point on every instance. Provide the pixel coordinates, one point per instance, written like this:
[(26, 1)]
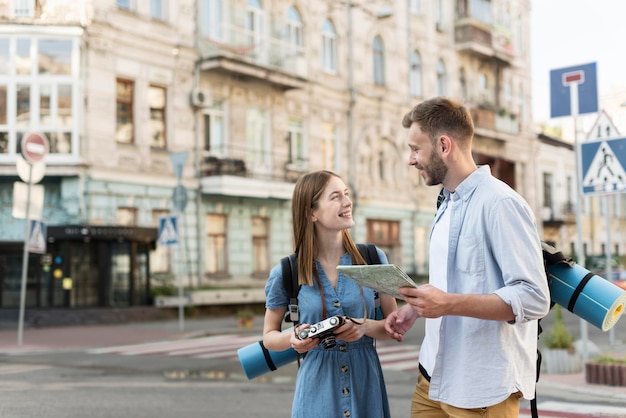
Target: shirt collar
[(467, 186)]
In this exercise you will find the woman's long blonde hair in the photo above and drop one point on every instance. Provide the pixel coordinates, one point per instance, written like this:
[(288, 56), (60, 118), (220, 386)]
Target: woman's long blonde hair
[(306, 195)]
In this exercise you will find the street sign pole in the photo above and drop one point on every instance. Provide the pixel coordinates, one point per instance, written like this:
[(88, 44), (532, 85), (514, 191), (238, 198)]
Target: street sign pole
[(584, 333), (20, 326)]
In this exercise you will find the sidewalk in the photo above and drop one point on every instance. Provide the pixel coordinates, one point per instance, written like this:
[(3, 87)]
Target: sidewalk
[(82, 337)]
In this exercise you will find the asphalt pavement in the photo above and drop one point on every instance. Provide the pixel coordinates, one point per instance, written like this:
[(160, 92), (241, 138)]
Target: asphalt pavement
[(70, 338)]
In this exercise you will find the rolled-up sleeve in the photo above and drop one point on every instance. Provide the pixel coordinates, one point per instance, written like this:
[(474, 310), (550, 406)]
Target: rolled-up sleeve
[(517, 251)]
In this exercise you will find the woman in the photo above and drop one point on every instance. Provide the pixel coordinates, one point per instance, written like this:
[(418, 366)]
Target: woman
[(345, 380)]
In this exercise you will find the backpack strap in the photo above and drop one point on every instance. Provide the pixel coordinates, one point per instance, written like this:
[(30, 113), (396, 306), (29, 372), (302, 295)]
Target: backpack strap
[(289, 267)]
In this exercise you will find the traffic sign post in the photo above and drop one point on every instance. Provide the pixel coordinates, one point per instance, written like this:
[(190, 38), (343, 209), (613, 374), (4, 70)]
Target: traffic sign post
[(35, 147), (574, 91)]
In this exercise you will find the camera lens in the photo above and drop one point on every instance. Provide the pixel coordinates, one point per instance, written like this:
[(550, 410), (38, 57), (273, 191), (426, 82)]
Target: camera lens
[(328, 341)]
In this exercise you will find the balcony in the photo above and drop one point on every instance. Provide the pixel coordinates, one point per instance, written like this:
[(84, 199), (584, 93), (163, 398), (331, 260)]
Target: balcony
[(560, 215), (240, 171), (235, 50), (483, 40)]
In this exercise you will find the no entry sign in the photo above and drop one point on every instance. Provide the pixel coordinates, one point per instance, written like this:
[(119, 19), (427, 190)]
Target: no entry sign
[(35, 147)]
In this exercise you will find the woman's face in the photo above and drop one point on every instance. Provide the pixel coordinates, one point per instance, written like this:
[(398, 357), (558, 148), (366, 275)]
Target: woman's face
[(333, 210)]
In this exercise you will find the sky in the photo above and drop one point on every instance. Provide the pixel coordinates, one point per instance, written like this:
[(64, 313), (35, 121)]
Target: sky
[(566, 33)]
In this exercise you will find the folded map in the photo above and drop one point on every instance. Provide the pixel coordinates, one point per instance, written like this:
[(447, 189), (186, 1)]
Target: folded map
[(385, 278)]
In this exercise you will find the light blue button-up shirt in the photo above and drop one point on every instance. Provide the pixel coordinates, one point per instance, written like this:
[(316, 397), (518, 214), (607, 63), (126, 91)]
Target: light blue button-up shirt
[(494, 247)]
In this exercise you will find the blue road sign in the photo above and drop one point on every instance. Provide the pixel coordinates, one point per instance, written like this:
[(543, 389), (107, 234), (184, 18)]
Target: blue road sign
[(582, 78), (603, 165), (168, 230)]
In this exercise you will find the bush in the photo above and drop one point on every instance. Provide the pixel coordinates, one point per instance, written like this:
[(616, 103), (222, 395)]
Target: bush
[(559, 336)]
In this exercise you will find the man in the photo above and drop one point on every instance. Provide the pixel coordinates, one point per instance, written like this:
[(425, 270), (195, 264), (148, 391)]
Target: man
[(487, 284)]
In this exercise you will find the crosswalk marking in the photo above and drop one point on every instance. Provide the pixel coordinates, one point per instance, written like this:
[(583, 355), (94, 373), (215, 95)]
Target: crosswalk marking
[(21, 368), (393, 356)]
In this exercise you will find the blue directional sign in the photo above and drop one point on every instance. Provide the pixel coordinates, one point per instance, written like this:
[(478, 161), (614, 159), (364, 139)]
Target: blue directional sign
[(168, 230), (563, 81), (603, 165)]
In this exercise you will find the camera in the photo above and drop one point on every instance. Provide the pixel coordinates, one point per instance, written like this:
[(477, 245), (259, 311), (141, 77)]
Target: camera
[(323, 331)]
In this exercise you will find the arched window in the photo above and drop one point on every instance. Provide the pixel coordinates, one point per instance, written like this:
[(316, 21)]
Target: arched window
[(415, 75), (254, 22), (441, 79), (379, 61), (329, 46), (294, 28)]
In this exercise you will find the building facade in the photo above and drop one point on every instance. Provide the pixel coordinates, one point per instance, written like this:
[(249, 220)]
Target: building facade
[(252, 94)]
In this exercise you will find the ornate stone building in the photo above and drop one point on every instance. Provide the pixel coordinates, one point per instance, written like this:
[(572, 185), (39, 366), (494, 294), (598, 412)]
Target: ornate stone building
[(248, 94)]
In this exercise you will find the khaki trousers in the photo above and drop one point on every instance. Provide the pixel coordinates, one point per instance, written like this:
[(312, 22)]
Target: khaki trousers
[(423, 407)]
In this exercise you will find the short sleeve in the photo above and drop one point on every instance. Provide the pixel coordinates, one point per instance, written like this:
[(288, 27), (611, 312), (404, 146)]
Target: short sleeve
[(275, 294)]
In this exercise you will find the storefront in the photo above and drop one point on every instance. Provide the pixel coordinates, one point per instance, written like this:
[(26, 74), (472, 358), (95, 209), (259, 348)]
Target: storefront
[(84, 266)]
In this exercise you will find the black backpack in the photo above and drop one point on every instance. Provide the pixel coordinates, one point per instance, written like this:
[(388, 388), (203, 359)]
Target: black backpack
[(289, 267)]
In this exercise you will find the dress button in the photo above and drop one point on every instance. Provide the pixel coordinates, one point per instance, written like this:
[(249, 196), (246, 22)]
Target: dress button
[(342, 348), (336, 304), (345, 391), (346, 413), (344, 368)]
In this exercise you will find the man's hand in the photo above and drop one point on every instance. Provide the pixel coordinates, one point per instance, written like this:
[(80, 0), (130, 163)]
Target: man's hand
[(427, 300), (400, 321)]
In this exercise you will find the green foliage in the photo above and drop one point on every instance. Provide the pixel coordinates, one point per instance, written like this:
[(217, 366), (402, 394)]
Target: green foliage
[(609, 359), (163, 287), (559, 336)]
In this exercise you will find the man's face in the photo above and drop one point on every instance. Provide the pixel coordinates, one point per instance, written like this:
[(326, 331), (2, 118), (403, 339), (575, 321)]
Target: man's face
[(426, 158)]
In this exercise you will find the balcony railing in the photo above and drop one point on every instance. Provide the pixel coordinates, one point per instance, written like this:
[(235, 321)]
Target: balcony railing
[(237, 45), (479, 38)]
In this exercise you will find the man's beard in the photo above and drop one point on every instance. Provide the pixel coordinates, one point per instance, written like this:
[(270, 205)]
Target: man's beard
[(435, 170)]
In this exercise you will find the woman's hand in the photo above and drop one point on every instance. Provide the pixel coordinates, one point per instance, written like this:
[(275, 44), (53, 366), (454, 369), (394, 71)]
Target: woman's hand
[(350, 331), (302, 346)]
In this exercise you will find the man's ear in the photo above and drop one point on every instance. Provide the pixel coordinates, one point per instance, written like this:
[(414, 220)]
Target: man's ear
[(445, 144)]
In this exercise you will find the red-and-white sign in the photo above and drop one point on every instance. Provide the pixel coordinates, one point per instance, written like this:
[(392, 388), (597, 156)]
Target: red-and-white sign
[(35, 147)]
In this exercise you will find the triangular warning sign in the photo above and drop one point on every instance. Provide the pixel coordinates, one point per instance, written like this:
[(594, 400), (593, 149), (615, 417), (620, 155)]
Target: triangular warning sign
[(168, 234), (37, 238), (605, 169), (604, 128)]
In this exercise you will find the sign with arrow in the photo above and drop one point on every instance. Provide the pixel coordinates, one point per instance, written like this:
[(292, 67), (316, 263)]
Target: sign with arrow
[(603, 165)]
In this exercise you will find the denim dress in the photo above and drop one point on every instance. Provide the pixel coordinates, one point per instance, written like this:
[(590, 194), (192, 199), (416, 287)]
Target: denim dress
[(344, 381)]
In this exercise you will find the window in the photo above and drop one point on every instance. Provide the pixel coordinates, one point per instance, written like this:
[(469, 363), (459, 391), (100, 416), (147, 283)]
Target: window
[(39, 83), (126, 216), (125, 125), (214, 134), (379, 61), (160, 257), (126, 4), (547, 190), (484, 89), (329, 47), (260, 246), (329, 139), (297, 153), (439, 15), (215, 258), (415, 6), (441, 79), (415, 76), (386, 235), (157, 9), (211, 18), (254, 23), (481, 10), (294, 30), (257, 134), (24, 8), (157, 101), (463, 84)]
